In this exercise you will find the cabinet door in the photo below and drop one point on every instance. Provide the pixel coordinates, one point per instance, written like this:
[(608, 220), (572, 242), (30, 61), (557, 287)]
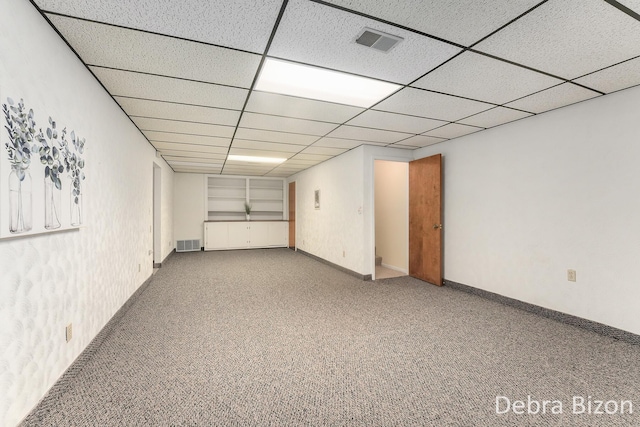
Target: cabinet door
[(238, 235), (259, 234), (216, 235), (278, 233)]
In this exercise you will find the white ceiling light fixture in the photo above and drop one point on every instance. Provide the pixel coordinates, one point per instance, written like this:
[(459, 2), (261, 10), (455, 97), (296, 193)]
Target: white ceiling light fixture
[(305, 81), (255, 159)]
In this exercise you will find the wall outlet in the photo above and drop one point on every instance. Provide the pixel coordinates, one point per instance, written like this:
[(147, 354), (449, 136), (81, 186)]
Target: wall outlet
[(571, 275), (68, 332)]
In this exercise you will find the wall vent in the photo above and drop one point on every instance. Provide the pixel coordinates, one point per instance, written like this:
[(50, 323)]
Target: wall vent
[(187, 245), (377, 39)]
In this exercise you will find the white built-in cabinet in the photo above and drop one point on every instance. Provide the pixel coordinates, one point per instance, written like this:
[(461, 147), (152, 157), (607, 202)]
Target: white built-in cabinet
[(225, 198), (219, 235), (226, 225)]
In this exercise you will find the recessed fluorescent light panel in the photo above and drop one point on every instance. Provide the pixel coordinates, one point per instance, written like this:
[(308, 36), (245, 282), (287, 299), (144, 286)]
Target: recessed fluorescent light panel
[(306, 81), (255, 159)]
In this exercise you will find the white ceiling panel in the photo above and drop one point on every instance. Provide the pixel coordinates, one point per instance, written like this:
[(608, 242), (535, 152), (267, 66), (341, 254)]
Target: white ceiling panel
[(194, 170), (452, 130), (312, 157), (271, 146), (271, 136), (285, 124), (395, 122), (295, 162), (136, 85), (188, 128), (399, 145), (172, 111), (177, 154), (420, 141), (347, 144), (631, 4), (190, 148), (476, 76), (186, 139), (367, 134), (151, 53), (291, 106), (568, 38), (323, 150), (461, 21), (432, 105), (241, 24), (615, 78), (195, 159), (555, 97), (494, 117), (324, 36)]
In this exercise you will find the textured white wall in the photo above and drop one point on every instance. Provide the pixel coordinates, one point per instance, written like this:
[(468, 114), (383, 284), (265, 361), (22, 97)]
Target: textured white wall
[(392, 213), (188, 206), (526, 201), (338, 226), (81, 276)]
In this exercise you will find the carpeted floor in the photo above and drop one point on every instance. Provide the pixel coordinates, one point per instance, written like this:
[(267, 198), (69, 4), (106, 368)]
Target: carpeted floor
[(275, 338)]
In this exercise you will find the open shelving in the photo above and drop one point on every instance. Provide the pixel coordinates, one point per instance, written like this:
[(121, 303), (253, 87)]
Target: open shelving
[(226, 196)]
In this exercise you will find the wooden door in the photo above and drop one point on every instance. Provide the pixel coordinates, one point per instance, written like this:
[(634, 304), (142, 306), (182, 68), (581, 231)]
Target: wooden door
[(292, 215), (425, 219)]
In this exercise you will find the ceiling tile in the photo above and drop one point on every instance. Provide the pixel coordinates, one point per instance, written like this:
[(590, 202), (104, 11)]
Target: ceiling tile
[(196, 170), (172, 111), (191, 148), (312, 157), (452, 130), (432, 105), (136, 85), (285, 124), (177, 154), (555, 97), (241, 24), (420, 141), (347, 144), (163, 125), (196, 159), (631, 4), (367, 134), (271, 146), (615, 78), (271, 136), (323, 150), (494, 117), (404, 147), (394, 122), (476, 76), (316, 34), (187, 139), (568, 38), (461, 21), (151, 53), (291, 106)]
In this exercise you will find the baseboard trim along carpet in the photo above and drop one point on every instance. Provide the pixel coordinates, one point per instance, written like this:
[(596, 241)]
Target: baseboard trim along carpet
[(365, 277), (599, 328), (53, 396)]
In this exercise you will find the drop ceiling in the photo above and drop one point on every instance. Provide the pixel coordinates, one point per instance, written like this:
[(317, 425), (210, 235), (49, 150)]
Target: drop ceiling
[(185, 71)]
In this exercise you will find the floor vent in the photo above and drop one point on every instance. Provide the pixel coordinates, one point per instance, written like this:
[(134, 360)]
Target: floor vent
[(377, 39), (188, 245)]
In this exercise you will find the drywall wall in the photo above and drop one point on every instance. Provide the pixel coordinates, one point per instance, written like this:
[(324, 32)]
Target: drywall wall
[(335, 230), (188, 206), (392, 213), (526, 201), (81, 277)]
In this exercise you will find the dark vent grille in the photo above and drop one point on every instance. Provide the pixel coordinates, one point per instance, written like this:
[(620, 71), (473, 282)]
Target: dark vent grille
[(377, 39)]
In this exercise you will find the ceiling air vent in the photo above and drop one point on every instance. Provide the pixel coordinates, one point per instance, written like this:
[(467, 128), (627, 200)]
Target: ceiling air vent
[(377, 39)]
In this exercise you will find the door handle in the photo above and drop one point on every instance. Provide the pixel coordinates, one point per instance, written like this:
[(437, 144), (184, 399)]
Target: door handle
[(437, 226)]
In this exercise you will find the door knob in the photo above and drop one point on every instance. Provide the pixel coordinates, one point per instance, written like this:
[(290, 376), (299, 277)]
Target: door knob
[(437, 226)]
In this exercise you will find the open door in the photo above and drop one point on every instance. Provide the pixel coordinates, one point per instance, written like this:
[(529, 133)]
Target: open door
[(292, 215), (425, 219)]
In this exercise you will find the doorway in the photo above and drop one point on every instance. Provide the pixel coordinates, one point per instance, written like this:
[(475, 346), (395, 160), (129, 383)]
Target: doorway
[(157, 216), (391, 206), (292, 215)]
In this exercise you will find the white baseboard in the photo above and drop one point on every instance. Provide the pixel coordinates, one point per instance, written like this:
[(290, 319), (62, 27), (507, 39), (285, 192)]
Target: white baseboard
[(393, 267)]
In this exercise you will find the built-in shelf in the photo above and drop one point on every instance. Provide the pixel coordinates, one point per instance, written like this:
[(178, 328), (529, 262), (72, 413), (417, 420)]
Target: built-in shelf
[(225, 198)]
